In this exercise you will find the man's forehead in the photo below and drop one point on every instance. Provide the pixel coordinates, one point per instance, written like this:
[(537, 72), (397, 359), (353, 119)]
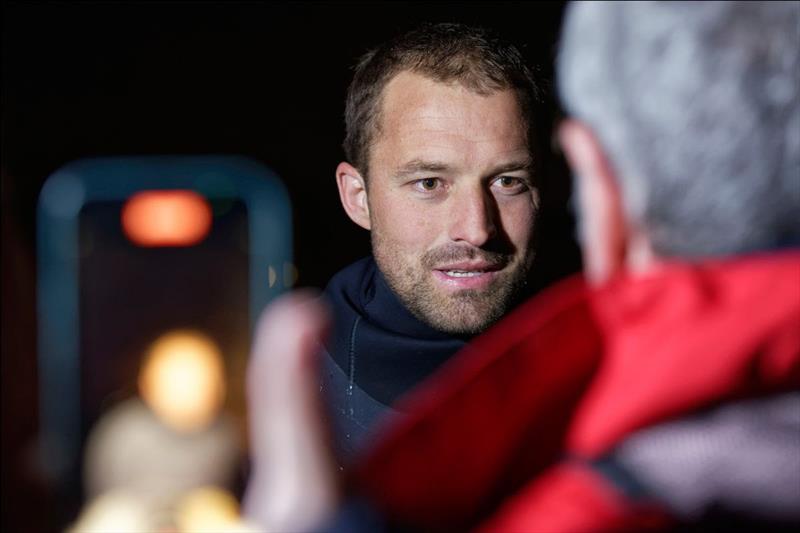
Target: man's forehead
[(422, 119), (417, 98)]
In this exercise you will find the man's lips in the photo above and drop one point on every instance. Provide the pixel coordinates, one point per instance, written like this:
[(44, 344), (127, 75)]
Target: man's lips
[(470, 266), (466, 275)]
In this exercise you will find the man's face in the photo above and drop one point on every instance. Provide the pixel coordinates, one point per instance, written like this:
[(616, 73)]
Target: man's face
[(451, 201)]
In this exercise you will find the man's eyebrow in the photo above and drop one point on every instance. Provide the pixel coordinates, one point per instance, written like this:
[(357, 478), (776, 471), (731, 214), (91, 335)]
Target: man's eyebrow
[(525, 164), (416, 166)]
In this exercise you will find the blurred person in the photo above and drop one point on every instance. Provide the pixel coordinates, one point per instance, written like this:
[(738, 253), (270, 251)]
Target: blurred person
[(443, 171), (131, 448), (175, 437), (659, 390)]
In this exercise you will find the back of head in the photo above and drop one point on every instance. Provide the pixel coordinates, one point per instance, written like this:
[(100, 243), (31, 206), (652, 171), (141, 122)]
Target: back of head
[(696, 106), (443, 52)]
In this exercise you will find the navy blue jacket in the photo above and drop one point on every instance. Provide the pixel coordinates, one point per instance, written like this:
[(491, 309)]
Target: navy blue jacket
[(377, 351)]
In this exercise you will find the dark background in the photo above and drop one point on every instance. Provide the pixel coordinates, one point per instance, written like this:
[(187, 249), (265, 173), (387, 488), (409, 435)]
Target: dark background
[(265, 80)]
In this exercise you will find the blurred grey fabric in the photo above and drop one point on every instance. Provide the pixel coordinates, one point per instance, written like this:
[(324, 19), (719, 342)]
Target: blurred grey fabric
[(742, 458)]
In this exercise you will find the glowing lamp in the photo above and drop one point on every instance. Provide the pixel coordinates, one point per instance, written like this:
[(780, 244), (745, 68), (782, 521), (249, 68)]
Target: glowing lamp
[(210, 510), (166, 218), (118, 510), (182, 380)]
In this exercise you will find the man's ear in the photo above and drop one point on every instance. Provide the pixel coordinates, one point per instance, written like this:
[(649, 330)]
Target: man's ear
[(353, 194), (602, 221)]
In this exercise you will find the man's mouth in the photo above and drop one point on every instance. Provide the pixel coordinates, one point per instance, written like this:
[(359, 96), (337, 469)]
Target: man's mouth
[(463, 273), (467, 275), (469, 267)]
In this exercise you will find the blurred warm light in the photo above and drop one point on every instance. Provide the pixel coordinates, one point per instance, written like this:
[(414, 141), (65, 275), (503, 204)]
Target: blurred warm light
[(116, 511), (273, 276), (166, 218), (183, 380), (290, 275), (207, 510)]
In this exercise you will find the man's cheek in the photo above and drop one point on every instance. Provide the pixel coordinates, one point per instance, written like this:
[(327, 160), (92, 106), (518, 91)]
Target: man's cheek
[(518, 225), (413, 229)]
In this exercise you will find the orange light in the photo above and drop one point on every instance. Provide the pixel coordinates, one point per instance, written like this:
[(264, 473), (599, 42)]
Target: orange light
[(166, 218), (209, 509), (183, 380)]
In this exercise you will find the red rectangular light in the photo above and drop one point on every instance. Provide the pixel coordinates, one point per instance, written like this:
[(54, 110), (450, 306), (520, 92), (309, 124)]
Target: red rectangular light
[(166, 218)]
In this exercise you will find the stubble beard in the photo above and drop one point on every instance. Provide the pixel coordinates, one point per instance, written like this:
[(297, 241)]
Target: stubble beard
[(466, 312)]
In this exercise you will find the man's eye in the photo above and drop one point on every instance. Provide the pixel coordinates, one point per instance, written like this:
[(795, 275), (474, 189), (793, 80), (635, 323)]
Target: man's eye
[(510, 184), (428, 184)]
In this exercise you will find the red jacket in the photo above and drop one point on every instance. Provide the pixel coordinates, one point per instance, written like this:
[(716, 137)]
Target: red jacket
[(569, 375)]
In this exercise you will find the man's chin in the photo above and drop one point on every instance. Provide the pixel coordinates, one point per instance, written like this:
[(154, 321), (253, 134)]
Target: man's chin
[(460, 327), (461, 314)]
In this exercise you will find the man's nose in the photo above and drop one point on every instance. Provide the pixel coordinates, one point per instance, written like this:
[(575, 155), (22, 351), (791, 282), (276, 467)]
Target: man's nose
[(473, 217)]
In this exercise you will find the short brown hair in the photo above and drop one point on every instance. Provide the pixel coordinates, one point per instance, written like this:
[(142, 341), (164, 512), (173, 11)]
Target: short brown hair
[(444, 52)]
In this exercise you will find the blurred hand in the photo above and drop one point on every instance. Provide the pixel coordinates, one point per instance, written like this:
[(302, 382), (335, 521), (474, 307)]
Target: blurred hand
[(293, 486)]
